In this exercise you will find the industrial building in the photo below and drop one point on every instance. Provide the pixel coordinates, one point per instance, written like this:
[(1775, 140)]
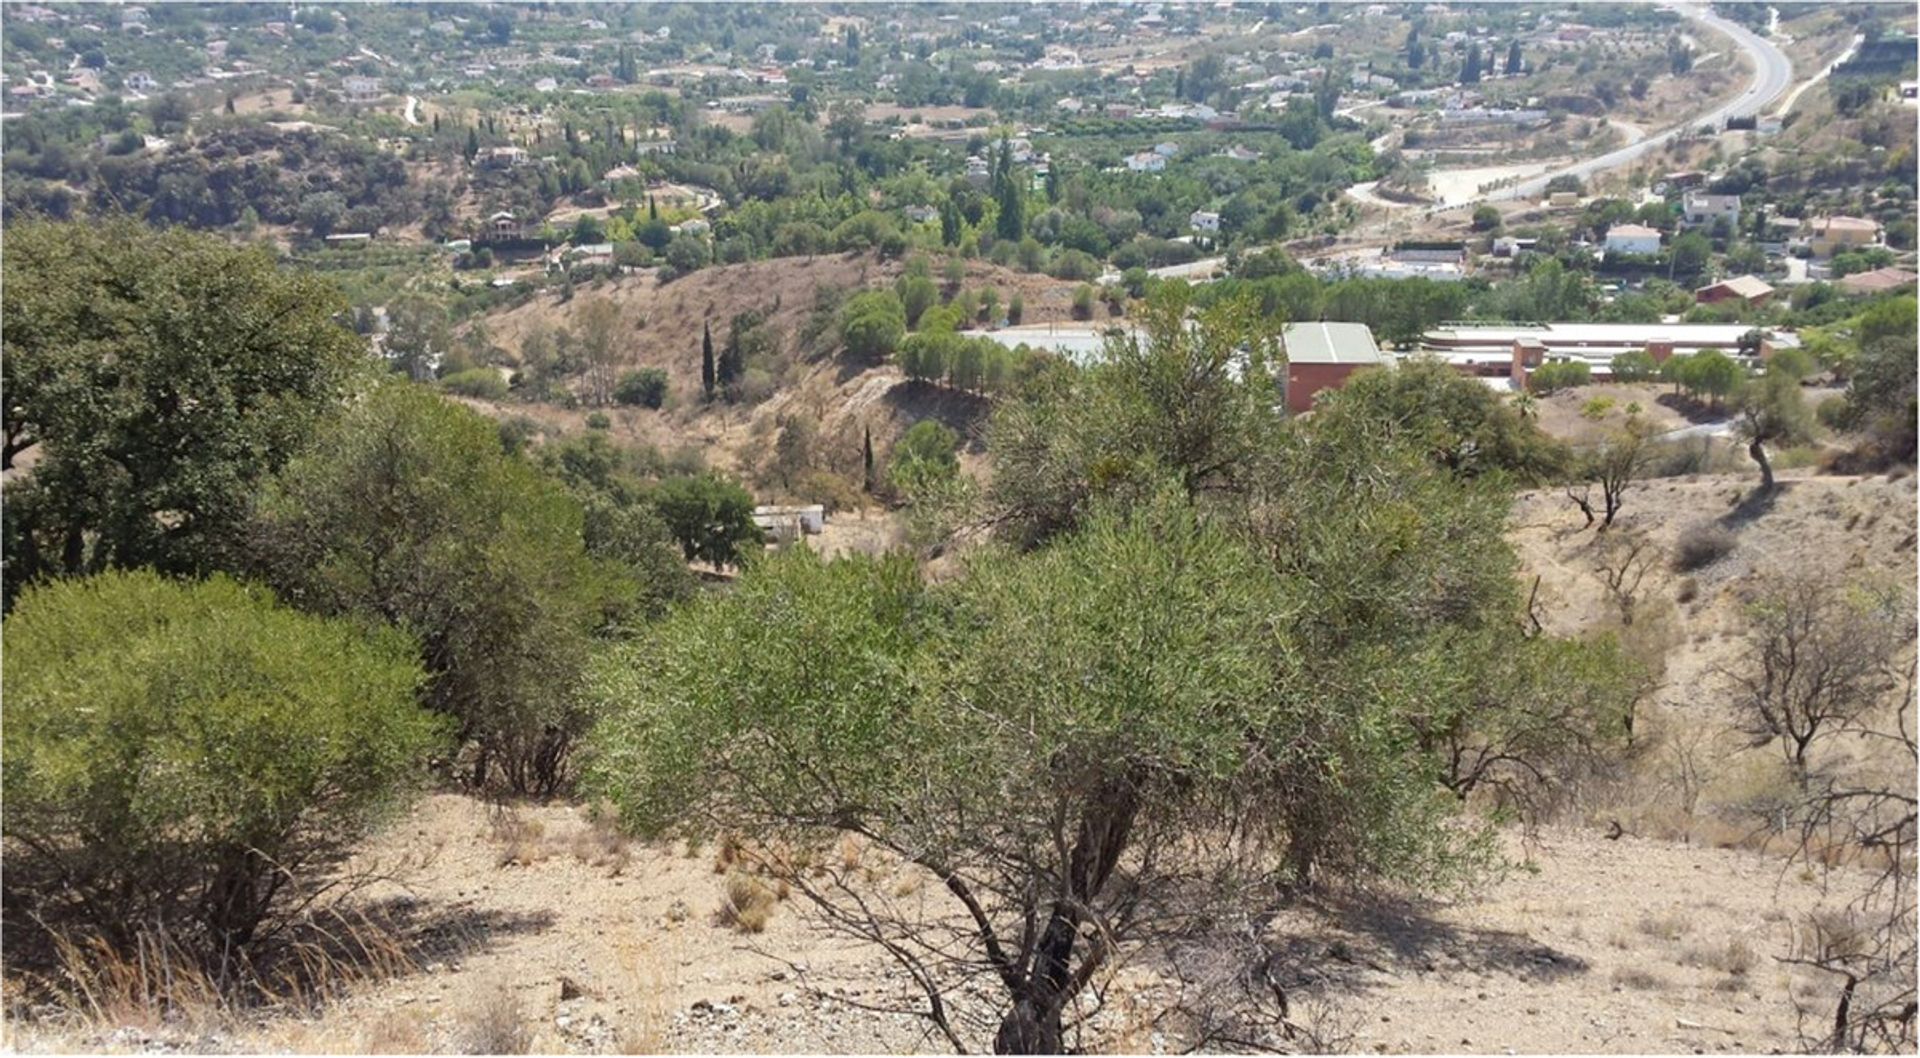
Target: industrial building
[(1513, 350)]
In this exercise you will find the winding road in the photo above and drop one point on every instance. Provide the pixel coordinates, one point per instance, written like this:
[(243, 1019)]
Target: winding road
[(1772, 73)]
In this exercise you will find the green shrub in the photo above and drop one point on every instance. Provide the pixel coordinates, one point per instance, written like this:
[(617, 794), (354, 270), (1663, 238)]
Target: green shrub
[(407, 511), (1635, 365), (1833, 413), (598, 421), (925, 454), (481, 383), (1553, 377), (1083, 302), (872, 324), (1596, 408), (646, 387), (183, 756)]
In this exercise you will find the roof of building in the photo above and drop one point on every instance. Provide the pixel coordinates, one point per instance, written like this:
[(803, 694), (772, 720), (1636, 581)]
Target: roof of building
[(1844, 224), (1682, 334), (1331, 343), (1743, 286), (1876, 281), (1632, 230)]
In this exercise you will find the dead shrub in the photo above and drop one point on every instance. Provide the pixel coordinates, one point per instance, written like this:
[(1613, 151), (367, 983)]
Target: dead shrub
[(1701, 546), (748, 905), (493, 1026), (1688, 591)]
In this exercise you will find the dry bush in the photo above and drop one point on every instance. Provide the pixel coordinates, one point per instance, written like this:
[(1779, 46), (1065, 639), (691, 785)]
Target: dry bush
[(748, 905), (1667, 925), (493, 1025), (600, 844), (522, 841), (1701, 546), (1734, 957), (1636, 978)]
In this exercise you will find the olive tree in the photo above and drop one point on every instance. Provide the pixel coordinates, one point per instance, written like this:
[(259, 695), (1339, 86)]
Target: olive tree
[(1089, 749), (188, 756)]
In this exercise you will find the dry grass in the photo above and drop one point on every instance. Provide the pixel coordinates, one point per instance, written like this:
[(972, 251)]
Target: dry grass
[(160, 982), (1640, 980), (492, 1025), (1667, 925), (1734, 957), (748, 905)]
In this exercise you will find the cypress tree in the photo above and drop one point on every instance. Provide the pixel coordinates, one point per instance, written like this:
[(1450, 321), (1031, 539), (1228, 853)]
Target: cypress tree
[(706, 360), (867, 455), (1513, 60)]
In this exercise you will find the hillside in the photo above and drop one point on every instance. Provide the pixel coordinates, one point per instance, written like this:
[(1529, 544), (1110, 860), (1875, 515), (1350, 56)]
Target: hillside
[(537, 928), (660, 326)]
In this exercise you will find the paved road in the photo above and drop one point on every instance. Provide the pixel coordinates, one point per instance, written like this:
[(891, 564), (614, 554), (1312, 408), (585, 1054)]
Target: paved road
[(1771, 75), (1825, 71)]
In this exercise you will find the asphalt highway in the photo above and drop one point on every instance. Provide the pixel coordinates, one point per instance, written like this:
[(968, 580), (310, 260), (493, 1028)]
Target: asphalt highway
[(1772, 73)]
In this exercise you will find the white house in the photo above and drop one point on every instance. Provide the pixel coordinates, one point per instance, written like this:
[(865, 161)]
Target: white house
[(1204, 220), (360, 89), (1166, 150), (1699, 207), (1634, 239), (1146, 162)]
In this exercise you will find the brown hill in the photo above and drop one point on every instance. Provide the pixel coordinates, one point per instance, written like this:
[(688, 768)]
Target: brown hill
[(661, 324)]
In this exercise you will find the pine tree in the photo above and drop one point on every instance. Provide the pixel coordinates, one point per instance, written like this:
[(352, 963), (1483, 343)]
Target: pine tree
[(867, 455), (706, 360), (653, 209)]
